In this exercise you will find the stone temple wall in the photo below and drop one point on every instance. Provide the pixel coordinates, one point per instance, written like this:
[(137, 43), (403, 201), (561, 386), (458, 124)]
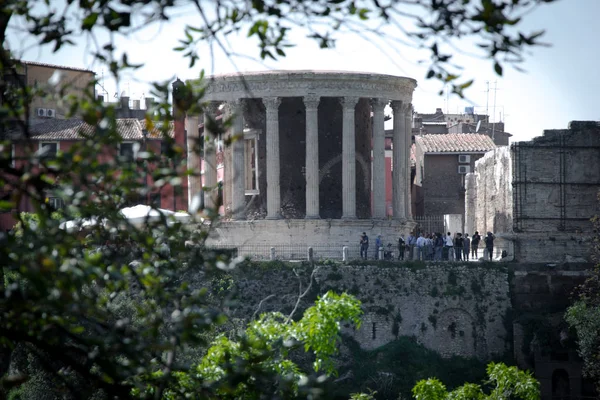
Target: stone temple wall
[(292, 154)]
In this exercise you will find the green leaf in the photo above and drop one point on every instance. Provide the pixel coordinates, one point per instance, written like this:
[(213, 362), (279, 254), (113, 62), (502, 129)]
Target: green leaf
[(89, 21), (498, 68)]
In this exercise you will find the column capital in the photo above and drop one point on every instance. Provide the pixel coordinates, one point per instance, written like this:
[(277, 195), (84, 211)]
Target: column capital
[(311, 101), (378, 104), (349, 102), (271, 103), (399, 106)]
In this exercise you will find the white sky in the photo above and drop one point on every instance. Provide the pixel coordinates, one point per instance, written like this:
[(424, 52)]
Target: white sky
[(562, 82)]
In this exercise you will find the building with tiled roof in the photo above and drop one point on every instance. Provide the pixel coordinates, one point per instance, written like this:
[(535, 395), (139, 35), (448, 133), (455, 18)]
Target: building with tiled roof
[(455, 143), (59, 135), (76, 129), (467, 122), (54, 66), (441, 163)]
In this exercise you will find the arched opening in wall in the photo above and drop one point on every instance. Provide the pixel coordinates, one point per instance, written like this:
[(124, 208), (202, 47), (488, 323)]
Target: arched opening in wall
[(561, 387)]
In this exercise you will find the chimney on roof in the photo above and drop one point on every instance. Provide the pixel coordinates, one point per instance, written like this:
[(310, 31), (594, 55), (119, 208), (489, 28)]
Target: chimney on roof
[(125, 102), (149, 102), (438, 111), (136, 104)]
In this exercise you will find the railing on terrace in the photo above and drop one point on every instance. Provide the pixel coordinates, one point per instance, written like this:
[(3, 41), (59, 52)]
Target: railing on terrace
[(321, 252), (429, 223)]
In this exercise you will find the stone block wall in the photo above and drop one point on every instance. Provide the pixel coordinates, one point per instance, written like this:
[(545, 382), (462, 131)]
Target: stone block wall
[(556, 180), (453, 310), (327, 237), (491, 197)]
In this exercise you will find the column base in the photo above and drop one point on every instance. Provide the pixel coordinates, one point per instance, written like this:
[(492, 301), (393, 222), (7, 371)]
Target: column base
[(312, 217), (348, 217), (273, 217)]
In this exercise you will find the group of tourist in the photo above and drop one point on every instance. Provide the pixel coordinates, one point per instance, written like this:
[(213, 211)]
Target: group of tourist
[(433, 246)]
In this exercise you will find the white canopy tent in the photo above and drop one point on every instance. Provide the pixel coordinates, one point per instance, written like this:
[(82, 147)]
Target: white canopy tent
[(136, 215)]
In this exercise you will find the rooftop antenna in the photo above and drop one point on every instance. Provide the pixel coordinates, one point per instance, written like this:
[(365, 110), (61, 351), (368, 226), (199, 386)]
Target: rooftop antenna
[(487, 97), (494, 123), (101, 84), (447, 101)]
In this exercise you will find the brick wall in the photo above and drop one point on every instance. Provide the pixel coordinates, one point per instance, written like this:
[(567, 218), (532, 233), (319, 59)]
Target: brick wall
[(557, 179)]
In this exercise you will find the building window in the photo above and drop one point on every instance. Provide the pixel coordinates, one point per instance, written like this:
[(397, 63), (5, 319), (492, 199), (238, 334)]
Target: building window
[(128, 150), (48, 150), (251, 159), (55, 203), (164, 147)]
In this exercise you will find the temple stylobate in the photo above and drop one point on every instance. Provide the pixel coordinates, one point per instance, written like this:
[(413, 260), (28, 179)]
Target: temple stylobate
[(313, 147)]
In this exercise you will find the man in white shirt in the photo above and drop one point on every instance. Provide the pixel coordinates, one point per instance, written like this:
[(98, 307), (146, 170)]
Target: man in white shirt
[(421, 242), (448, 253)]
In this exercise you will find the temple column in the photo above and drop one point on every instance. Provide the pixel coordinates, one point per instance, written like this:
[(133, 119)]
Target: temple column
[(378, 106), (408, 137), (210, 155), (193, 158), (348, 158), (272, 135), (399, 161), (238, 197), (311, 103)]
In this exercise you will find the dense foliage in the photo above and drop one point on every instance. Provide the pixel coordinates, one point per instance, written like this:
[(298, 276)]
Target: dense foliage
[(584, 316), (506, 383)]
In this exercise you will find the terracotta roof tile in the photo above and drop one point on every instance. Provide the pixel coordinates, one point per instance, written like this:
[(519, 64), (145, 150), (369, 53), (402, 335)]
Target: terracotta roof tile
[(455, 142), (40, 64), (73, 129)]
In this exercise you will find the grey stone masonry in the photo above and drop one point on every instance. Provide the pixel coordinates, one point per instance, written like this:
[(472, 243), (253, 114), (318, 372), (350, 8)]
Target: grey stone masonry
[(348, 158), (311, 103), (492, 207), (406, 161), (273, 186), (238, 175), (193, 158), (399, 188), (210, 155), (378, 158)]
